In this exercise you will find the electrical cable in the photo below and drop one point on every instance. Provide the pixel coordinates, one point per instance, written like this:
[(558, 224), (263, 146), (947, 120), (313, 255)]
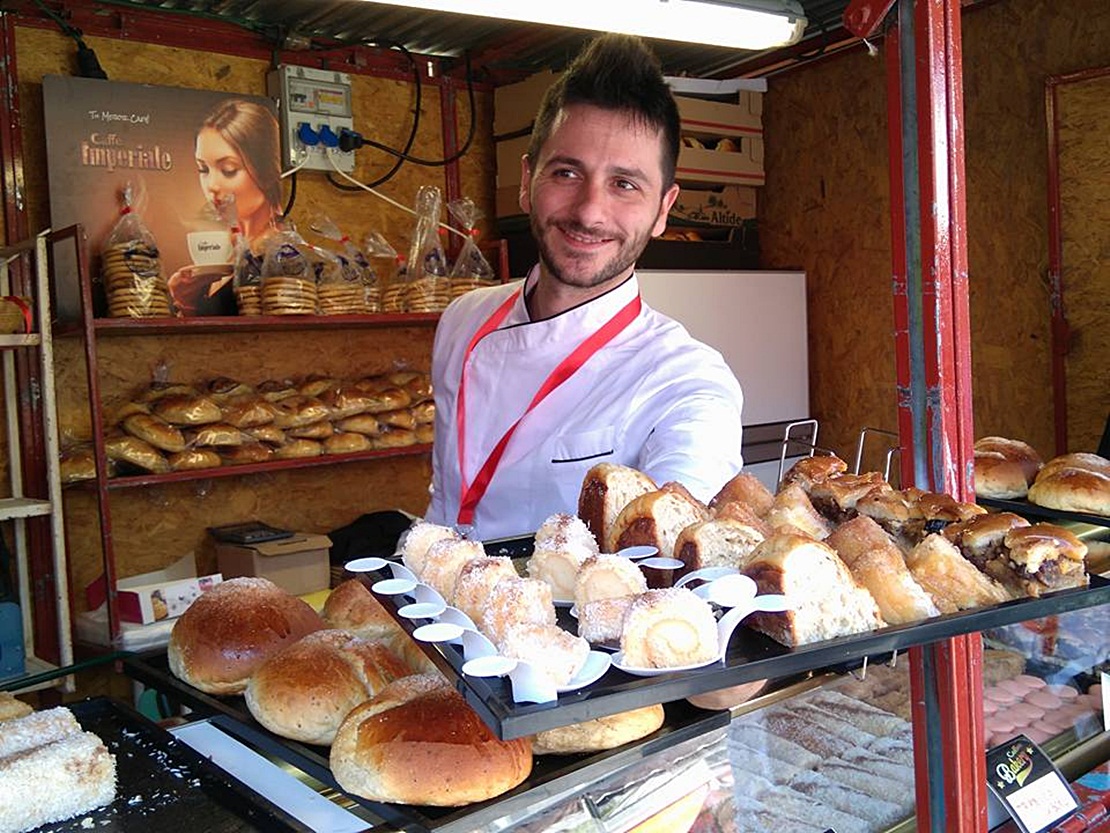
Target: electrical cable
[(87, 63), (388, 175), (364, 187)]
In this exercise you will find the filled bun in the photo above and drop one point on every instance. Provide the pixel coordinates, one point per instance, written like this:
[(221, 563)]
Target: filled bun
[(230, 630), (418, 742), (600, 733), (304, 691)]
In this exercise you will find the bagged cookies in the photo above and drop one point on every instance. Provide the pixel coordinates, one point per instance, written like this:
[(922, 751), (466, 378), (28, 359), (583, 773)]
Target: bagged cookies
[(471, 270), (342, 287), (429, 288), (288, 276), (130, 267)]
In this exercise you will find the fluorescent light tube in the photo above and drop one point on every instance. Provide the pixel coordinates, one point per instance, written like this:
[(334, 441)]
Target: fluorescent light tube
[(739, 24)]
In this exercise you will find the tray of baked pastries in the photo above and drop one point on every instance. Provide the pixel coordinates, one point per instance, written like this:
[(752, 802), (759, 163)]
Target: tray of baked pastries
[(648, 595)]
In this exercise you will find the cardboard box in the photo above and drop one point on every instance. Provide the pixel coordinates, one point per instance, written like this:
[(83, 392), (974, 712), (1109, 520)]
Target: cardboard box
[(515, 105), (298, 565), (721, 167), (159, 594), (728, 206), (719, 118)]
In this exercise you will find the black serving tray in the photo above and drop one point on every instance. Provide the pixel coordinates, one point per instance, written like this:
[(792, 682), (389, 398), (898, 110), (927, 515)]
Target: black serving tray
[(163, 784), (751, 656), (551, 774), (1042, 513)]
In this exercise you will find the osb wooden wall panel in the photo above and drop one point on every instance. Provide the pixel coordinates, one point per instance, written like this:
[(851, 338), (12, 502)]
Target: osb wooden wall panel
[(825, 209), (151, 527), (1084, 115)]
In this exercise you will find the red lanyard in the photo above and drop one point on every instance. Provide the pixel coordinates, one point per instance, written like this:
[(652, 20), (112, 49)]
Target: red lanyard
[(471, 494)]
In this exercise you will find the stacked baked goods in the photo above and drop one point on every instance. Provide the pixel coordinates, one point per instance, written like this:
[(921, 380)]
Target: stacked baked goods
[(131, 271), (1076, 482), (51, 769), (167, 427)]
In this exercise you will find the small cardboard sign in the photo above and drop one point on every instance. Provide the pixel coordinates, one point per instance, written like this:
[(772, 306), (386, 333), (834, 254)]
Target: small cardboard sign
[(1028, 785)]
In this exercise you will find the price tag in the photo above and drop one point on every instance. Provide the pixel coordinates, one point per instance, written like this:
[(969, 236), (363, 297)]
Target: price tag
[(1028, 784)]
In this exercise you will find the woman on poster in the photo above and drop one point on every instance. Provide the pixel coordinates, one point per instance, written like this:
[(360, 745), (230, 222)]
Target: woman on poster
[(238, 157)]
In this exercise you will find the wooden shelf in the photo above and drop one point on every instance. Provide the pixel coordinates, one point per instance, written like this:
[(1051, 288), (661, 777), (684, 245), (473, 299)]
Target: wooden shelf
[(21, 340), (247, 324), (131, 481), (23, 507)]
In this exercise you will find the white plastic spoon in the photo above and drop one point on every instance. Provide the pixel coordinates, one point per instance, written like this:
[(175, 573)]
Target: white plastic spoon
[(770, 603), (421, 610), (639, 551)]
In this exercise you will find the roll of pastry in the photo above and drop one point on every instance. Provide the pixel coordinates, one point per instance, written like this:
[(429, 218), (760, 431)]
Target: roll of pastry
[(230, 630), (514, 601), (303, 691), (194, 458), (1072, 490), (415, 541), (445, 560), (296, 411), (602, 621), (877, 564), (155, 431), (953, 581), (669, 628), (599, 734), (246, 453), (548, 648), (313, 431), (360, 424), (476, 581), (606, 489), (826, 601), (346, 442), (557, 562), (418, 742), (293, 449), (747, 489), (606, 576), (656, 519), (216, 434), (394, 438)]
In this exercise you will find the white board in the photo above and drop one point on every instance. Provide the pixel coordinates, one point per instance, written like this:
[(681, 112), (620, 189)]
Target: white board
[(757, 320)]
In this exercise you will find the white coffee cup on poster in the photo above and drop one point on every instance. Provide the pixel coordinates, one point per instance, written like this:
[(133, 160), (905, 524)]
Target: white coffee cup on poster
[(209, 247)]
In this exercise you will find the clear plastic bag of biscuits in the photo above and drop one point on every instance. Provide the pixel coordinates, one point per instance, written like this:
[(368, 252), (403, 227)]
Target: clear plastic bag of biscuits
[(470, 270), (387, 287), (288, 275), (341, 288), (429, 286), (130, 266), (246, 266)]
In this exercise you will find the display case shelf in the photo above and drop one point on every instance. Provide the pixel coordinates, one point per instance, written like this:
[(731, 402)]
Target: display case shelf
[(751, 656), (136, 480), (1042, 513), (105, 327)]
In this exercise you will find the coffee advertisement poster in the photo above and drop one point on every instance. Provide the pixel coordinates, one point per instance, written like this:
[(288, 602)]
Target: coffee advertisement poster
[(202, 171)]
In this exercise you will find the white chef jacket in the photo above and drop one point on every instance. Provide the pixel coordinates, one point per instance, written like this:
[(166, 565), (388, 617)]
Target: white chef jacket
[(653, 398)]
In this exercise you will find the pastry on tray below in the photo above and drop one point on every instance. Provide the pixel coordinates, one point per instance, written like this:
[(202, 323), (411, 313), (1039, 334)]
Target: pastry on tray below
[(600, 733)]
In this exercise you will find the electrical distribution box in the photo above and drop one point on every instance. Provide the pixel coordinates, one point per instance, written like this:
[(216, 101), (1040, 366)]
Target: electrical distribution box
[(313, 106)]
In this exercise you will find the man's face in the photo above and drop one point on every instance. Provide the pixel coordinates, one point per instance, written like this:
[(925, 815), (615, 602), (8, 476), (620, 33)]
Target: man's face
[(595, 196)]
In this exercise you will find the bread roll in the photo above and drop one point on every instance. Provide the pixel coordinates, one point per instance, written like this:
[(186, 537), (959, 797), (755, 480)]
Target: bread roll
[(186, 409), (230, 630), (515, 601), (346, 442), (602, 621), (747, 489), (294, 449), (194, 458), (246, 454), (996, 476), (77, 464), (476, 581), (669, 628), (415, 541), (266, 434), (656, 519), (444, 562), (606, 489), (1072, 490), (155, 431), (317, 386), (346, 401), (136, 452), (216, 434), (383, 395), (715, 543), (417, 384), (606, 576), (222, 389), (599, 734), (395, 438), (810, 470), (360, 424), (1016, 451), (424, 434), (793, 512), (953, 581), (826, 600), (297, 411), (313, 431), (351, 607), (418, 742), (1083, 460), (304, 690), (275, 390), (877, 564), (424, 413), (557, 562), (401, 418), (550, 649)]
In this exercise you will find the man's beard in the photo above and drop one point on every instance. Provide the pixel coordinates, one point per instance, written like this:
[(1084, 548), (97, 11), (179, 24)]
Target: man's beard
[(628, 251)]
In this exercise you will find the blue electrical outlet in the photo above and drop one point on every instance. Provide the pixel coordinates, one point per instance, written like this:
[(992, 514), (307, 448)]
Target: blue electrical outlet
[(12, 659)]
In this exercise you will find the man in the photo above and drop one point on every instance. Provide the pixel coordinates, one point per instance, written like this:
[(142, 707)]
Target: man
[(536, 382)]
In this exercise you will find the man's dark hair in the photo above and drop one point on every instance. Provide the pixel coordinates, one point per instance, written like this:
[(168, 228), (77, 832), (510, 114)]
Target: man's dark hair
[(614, 72)]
